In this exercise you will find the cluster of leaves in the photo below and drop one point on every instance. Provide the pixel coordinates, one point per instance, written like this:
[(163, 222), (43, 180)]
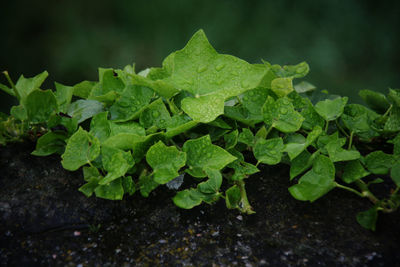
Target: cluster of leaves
[(215, 118)]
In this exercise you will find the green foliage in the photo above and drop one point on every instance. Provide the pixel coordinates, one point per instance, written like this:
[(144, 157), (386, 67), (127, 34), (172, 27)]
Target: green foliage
[(211, 116)]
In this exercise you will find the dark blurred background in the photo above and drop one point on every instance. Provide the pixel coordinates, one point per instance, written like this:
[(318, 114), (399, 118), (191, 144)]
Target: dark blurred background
[(350, 45)]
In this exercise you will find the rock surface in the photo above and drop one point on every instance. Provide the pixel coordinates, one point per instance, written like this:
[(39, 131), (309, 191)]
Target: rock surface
[(45, 221)]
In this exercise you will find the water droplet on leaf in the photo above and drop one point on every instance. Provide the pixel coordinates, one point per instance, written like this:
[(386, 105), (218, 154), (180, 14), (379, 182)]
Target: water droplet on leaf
[(219, 67), (201, 69)]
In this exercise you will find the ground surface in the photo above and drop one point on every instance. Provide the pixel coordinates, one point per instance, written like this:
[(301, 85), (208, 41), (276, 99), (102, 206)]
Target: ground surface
[(45, 221)]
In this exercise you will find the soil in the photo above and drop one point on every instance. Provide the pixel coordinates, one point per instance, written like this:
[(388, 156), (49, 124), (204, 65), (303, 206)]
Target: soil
[(45, 221)]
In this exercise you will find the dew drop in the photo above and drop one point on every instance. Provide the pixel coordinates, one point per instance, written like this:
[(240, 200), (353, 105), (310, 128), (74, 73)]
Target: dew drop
[(156, 114), (201, 69), (245, 98), (251, 93), (235, 73), (219, 67), (272, 152), (300, 70)]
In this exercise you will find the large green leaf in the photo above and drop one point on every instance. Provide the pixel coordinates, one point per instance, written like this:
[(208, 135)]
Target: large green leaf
[(165, 161), (155, 114), (316, 182), (201, 154), (81, 149), (63, 95), (375, 100)]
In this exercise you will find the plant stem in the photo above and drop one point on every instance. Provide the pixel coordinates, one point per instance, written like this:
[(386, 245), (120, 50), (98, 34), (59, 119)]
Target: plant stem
[(269, 129), (341, 129), (350, 140), (6, 89), (12, 84), (349, 189), (365, 191), (244, 202), (387, 111), (326, 126)]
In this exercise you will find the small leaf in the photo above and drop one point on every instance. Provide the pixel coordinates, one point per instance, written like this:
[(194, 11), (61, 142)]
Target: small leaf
[(204, 108), (269, 151), (331, 109), (300, 164), (81, 149), (282, 86), (353, 171), (358, 119), (304, 87), (84, 109), (63, 95), (100, 126), (188, 198), (165, 161), (367, 219), (25, 86), (50, 143), (311, 117), (112, 191), (39, 105), (201, 154), (128, 185), (316, 182), (116, 162), (395, 174), (375, 100), (133, 100), (146, 185), (83, 89), (246, 137), (231, 139), (337, 153), (232, 197), (281, 115), (213, 184), (155, 114), (379, 162)]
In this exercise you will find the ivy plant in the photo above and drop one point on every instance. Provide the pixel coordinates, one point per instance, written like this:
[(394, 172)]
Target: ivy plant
[(211, 119)]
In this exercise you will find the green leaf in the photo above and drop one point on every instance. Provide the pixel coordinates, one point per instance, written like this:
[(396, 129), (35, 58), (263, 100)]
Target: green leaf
[(40, 105), (213, 184), (394, 97), (81, 149), (316, 182), (128, 185), (301, 163), (146, 185), (282, 86), (165, 161), (247, 137), (367, 219), (331, 109), (395, 173), (59, 123), (109, 84), (201, 154), (188, 198), (100, 126), (242, 169), (337, 153), (204, 108), (241, 114), (396, 145), (112, 191), (83, 89), (253, 100), (126, 127), (25, 86), (281, 115), (50, 143), (358, 119), (63, 95), (294, 149), (155, 114), (19, 112), (233, 197), (269, 151), (304, 87), (137, 143), (134, 99), (379, 162), (84, 109), (91, 173), (179, 124), (311, 117), (116, 162), (376, 101), (393, 122), (293, 71), (353, 171), (231, 139)]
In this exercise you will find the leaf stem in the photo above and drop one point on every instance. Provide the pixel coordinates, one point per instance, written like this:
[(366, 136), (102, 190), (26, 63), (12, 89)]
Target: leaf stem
[(269, 129), (387, 111), (326, 126), (6, 89), (12, 84), (244, 202), (365, 191), (349, 189), (350, 140), (341, 129)]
